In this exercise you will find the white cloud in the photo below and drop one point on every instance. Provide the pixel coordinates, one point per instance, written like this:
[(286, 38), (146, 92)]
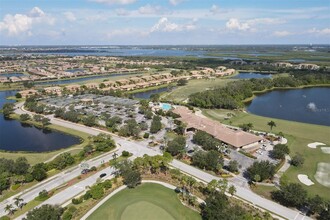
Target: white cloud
[(22, 23), (175, 2), (36, 12), (324, 31), (149, 9), (250, 25), (112, 2), (69, 16), (235, 24), (122, 12), (282, 33), (164, 25), (215, 9)]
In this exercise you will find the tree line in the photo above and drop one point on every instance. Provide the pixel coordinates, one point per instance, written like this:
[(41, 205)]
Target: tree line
[(234, 93)]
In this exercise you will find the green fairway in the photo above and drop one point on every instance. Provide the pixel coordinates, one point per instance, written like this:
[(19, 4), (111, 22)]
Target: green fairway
[(148, 201), (181, 93), (298, 135)]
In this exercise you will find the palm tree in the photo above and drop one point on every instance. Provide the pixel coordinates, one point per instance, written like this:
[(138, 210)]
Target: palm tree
[(10, 209), (271, 124), (18, 202)]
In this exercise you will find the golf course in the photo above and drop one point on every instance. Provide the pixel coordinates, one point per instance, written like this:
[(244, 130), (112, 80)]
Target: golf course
[(148, 201), (299, 135)]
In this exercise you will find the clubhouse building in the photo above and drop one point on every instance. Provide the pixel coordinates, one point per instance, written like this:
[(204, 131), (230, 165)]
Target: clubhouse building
[(235, 138)]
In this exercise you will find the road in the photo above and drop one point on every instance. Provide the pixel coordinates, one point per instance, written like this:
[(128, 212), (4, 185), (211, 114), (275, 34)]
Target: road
[(138, 149)]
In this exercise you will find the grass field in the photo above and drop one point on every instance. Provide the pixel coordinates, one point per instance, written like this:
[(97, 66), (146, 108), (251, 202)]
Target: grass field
[(148, 202), (34, 158), (298, 135), (181, 93)]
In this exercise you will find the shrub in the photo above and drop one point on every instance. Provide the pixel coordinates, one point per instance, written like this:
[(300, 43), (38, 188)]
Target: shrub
[(93, 168), (77, 201), (125, 153), (146, 135)]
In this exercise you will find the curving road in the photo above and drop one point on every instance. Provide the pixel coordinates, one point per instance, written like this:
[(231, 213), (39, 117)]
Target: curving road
[(139, 149)]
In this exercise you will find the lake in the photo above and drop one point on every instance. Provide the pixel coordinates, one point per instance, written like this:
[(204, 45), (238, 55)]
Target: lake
[(16, 136), (147, 94), (246, 75), (308, 105)]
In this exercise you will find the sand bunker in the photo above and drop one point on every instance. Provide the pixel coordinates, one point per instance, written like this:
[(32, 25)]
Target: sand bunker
[(325, 150), (322, 174), (315, 144), (305, 180)]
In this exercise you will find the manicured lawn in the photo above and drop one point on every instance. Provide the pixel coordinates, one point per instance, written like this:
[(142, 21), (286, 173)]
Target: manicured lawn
[(298, 134), (148, 202), (264, 190), (181, 93)]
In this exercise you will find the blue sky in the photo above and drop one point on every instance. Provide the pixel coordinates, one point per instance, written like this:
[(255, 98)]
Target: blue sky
[(127, 22)]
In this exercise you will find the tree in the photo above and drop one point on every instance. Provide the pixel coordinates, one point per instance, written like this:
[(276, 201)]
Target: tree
[(207, 160), (264, 169), (89, 120), (45, 122), (271, 124), (233, 166), (39, 172), (291, 195), (18, 95), (232, 190), (207, 141), (215, 206), (97, 191), (131, 128), (10, 209), (7, 109), (182, 82), (4, 183), (176, 146), (316, 204), (24, 117), (325, 213), (297, 160), (246, 127), (132, 178), (62, 161), (45, 212), (21, 166), (156, 124), (279, 151)]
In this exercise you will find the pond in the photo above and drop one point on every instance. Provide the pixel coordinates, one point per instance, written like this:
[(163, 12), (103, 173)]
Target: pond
[(246, 75), (16, 136), (147, 94), (308, 105)]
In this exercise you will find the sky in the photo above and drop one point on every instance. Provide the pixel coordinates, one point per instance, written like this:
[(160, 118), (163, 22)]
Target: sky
[(164, 22)]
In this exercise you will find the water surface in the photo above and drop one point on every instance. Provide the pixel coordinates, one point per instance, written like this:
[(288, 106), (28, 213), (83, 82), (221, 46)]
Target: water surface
[(309, 105), (17, 136)]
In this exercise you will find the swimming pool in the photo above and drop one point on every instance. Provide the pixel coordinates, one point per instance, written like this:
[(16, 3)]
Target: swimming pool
[(165, 106)]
